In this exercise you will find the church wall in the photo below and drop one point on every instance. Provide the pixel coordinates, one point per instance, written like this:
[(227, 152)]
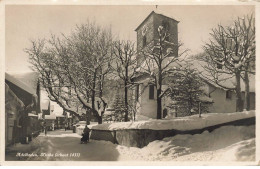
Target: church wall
[(149, 33), (173, 30), (148, 106)]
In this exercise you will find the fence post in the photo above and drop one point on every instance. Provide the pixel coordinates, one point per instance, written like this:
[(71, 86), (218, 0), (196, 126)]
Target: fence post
[(199, 109)]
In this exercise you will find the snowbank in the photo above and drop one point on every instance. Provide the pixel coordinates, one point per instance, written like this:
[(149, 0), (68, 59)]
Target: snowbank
[(181, 123), (227, 143), (142, 118), (241, 151), (79, 130)]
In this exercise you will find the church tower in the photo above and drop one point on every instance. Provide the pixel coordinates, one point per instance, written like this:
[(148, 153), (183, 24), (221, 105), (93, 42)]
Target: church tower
[(147, 32)]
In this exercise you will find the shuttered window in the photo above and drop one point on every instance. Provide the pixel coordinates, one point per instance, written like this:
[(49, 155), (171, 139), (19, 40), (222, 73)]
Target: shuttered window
[(228, 94)]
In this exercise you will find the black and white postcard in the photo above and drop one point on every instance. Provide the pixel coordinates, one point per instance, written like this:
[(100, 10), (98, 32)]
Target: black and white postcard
[(133, 82)]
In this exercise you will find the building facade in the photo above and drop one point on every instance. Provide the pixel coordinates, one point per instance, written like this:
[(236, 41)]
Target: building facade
[(224, 101), (147, 32), (22, 106)]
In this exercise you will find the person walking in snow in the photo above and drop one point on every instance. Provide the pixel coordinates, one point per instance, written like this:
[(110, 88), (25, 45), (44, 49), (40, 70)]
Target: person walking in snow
[(85, 135), (45, 130)]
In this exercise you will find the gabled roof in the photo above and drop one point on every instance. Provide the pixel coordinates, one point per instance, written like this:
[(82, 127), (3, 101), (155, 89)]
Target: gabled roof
[(226, 80), (229, 82), (19, 84), (28, 78), (142, 69), (151, 15), (8, 90)]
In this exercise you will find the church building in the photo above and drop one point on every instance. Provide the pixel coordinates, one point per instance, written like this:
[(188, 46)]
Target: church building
[(224, 101), (147, 36)]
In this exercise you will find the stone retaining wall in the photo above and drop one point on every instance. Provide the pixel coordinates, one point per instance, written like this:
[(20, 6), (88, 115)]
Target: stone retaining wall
[(142, 137)]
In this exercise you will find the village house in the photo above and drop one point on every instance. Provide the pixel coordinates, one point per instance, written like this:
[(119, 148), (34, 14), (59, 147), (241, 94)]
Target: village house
[(223, 101), (70, 120), (22, 108), (49, 121), (48, 115), (47, 108), (60, 121)]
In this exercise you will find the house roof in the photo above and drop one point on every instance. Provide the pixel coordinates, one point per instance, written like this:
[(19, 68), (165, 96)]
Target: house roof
[(225, 80), (158, 13), (8, 90), (141, 71), (19, 84), (230, 83), (28, 78)]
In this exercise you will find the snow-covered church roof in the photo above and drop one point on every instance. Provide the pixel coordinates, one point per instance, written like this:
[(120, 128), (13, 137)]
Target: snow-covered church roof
[(225, 80)]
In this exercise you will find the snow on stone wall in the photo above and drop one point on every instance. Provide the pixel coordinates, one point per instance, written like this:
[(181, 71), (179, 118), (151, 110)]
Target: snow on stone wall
[(181, 123), (227, 143)]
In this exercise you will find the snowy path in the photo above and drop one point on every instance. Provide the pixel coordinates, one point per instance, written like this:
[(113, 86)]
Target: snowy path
[(228, 143), (61, 144)]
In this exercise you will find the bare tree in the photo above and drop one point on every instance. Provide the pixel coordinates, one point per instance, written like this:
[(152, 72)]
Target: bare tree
[(93, 46), (125, 65), (247, 43), (42, 62), (159, 59), (231, 53), (73, 67)]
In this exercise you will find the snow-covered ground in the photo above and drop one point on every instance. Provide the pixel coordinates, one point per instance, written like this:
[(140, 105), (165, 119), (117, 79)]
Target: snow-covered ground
[(227, 143), (181, 123)]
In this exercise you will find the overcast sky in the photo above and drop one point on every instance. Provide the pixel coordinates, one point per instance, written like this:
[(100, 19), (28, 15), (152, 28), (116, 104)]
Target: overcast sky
[(32, 22)]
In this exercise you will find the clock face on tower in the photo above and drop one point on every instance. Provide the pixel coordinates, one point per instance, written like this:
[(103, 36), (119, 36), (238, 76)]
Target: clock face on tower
[(144, 30)]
